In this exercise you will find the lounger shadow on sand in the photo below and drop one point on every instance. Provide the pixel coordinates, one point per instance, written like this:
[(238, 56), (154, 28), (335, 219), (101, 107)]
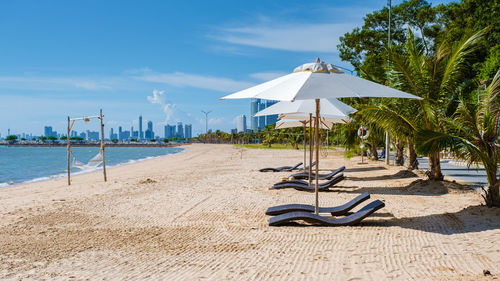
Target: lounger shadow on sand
[(281, 169), (299, 185), (312, 218), (305, 175), (335, 211)]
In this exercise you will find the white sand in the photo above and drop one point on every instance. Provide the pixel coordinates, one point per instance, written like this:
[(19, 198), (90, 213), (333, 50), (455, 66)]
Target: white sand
[(201, 216)]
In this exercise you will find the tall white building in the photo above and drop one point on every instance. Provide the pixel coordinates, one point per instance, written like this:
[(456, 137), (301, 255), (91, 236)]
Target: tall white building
[(241, 123)]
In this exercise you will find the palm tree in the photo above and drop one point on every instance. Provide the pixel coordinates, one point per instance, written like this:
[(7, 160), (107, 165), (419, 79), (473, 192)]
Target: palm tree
[(433, 77), (472, 135)]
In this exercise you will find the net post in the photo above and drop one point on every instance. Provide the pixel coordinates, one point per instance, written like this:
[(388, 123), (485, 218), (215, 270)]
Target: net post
[(102, 146), (69, 152)]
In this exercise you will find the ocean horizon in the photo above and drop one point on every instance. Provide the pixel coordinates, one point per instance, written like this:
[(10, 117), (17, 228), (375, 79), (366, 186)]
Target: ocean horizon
[(20, 165)]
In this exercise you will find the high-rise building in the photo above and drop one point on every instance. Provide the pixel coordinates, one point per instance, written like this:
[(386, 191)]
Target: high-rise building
[(254, 121), (241, 123), (110, 133), (149, 134), (188, 131), (141, 134), (271, 119), (261, 122), (180, 130), (262, 119), (47, 131), (169, 131), (91, 135)]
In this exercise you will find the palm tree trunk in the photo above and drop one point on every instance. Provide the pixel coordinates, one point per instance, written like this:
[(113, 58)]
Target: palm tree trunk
[(434, 172), (399, 159), (492, 197), (412, 156), (373, 149), (437, 172)]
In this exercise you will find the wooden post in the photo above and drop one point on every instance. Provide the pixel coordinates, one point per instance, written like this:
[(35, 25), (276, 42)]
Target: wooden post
[(310, 149), (317, 157), (304, 122), (102, 147), (69, 153)]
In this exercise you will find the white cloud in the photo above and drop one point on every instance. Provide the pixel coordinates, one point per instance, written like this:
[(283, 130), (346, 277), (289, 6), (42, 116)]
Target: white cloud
[(50, 83), (157, 97), (266, 76), (168, 108), (319, 37), (180, 79)]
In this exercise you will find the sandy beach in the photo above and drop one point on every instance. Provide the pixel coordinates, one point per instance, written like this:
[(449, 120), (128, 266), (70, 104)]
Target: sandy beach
[(199, 215)]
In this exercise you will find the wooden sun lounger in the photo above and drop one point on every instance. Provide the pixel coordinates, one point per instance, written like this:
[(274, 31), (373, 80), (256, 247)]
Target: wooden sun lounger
[(305, 175), (281, 169), (351, 219), (300, 185), (335, 211)]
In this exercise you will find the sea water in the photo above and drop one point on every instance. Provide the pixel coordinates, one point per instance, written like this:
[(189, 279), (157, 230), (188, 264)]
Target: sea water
[(28, 164)]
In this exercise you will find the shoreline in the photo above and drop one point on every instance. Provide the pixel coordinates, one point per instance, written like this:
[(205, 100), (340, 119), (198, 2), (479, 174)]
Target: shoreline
[(83, 172)]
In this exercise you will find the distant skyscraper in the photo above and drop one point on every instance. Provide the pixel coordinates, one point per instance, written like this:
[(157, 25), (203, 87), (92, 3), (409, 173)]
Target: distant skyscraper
[(271, 119), (188, 131), (110, 133), (141, 134), (262, 119), (254, 121), (241, 123), (169, 131), (47, 131), (149, 134), (92, 135), (180, 130), (261, 122)]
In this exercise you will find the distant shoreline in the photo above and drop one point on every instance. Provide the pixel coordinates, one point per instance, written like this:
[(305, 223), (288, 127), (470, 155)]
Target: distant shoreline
[(94, 145)]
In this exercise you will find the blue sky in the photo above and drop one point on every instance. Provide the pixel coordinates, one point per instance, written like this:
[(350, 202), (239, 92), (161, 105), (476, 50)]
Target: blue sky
[(60, 58)]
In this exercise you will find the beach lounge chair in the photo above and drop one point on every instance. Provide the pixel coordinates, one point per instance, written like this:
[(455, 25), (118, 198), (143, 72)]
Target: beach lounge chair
[(302, 185), (335, 211), (307, 167), (305, 175), (281, 169), (351, 219)]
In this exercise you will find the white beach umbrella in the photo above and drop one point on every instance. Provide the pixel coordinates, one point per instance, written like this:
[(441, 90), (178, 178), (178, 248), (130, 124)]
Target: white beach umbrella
[(329, 119), (318, 80), (329, 107), (289, 123), (302, 112)]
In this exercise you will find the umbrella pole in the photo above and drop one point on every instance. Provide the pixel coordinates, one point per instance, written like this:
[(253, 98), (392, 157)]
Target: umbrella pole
[(316, 189), (310, 149), (304, 122)]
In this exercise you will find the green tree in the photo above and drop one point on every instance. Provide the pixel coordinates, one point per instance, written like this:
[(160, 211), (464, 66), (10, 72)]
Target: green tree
[(52, 138), (42, 138), (165, 140), (365, 47), (11, 138), (472, 135), (435, 78), (63, 138)]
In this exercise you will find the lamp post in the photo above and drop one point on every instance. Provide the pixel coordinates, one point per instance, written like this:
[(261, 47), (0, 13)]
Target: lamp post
[(206, 122), (387, 141)]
